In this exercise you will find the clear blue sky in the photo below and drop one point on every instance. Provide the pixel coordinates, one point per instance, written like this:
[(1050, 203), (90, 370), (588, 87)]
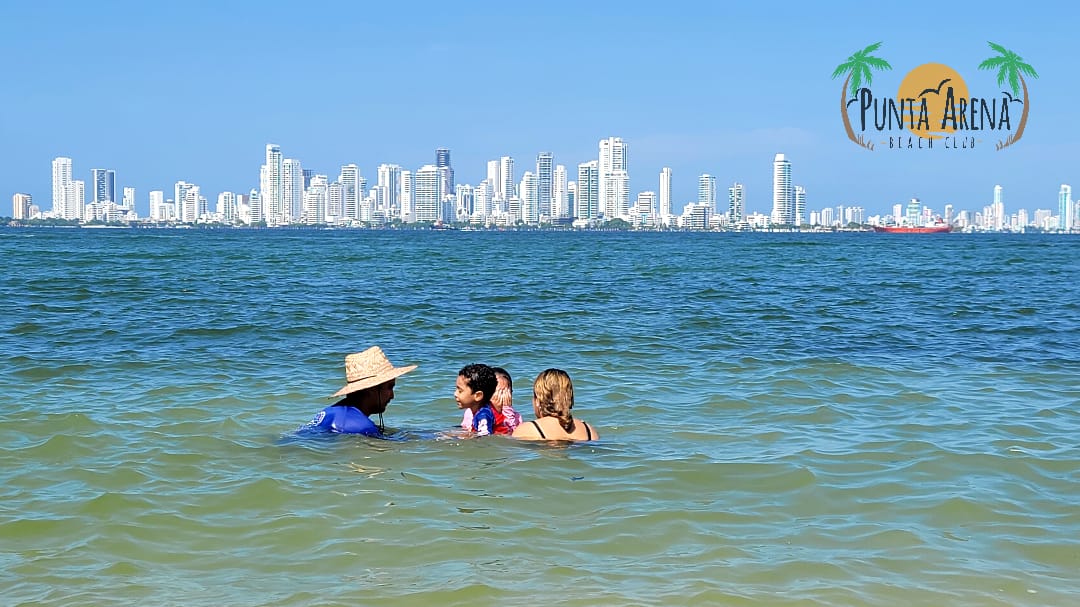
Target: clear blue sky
[(194, 90)]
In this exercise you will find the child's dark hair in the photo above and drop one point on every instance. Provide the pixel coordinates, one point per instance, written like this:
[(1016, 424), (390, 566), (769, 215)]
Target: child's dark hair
[(480, 378), (509, 380)]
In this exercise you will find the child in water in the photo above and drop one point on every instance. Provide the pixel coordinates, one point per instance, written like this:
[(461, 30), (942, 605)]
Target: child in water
[(502, 404), (475, 386)]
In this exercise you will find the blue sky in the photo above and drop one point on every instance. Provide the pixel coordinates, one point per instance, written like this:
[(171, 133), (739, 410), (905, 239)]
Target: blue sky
[(194, 90)]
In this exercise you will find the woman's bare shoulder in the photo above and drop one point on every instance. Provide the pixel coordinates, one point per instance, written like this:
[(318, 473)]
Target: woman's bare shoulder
[(526, 430)]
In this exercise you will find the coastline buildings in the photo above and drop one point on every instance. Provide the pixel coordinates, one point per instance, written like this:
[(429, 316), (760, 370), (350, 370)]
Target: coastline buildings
[(288, 194)]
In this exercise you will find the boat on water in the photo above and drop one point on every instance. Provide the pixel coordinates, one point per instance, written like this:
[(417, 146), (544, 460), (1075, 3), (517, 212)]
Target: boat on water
[(931, 229)]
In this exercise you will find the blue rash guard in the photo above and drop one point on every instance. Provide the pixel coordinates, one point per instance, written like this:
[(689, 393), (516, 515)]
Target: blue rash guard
[(346, 420), (483, 421)]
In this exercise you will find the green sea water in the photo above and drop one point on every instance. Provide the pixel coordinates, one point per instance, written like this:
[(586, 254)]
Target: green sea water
[(786, 419)]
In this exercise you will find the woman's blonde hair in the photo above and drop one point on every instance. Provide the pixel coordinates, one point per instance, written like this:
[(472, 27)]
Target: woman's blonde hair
[(554, 394)]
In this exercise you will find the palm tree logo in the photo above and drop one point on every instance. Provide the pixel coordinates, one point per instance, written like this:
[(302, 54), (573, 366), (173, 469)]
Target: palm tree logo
[(858, 69), (1012, 67)]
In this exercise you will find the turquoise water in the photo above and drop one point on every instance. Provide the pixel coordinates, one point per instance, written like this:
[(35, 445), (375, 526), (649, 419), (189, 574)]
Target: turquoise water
[(819, 419)]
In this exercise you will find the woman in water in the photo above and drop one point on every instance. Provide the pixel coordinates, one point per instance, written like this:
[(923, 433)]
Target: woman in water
[(553, 399)]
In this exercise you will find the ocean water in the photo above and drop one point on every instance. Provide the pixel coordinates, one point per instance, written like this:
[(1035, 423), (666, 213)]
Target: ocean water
[(786, 419)]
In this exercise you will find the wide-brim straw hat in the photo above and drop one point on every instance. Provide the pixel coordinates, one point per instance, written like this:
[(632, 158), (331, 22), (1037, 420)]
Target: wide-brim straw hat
[(368, 369)]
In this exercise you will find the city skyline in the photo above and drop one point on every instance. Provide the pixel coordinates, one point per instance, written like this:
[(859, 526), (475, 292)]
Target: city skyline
[(290, 194), (683, 97)]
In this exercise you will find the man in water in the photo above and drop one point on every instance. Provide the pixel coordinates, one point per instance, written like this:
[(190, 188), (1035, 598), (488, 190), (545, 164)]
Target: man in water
[(370, 388)]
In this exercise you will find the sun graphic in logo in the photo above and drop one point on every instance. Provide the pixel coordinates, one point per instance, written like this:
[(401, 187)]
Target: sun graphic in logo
[(930, 83)]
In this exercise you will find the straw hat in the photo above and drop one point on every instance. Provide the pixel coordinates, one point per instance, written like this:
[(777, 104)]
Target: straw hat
[(368, 369)]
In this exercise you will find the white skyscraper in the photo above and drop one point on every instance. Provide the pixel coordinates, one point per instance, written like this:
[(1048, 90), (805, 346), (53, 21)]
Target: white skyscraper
[(587, 196), (272, 186), (618, 195), (571, 197), (800, 206), (707, 192), (545, 177), (180, 196), (61, 185), (1066, 214), (782, 211), (405, 196), (335, 201), (506, 178), (292, 184), (465, 202), (226, 206), (427, 194), (612, 159), (530, 200), (314, 209), (997, 210), (351, 192), (560, 207), (482, 201), (736, 204), (189, 203), (493, 176), (665, 195), (129, 199), (158, 209), (389, 185), (76, 195)]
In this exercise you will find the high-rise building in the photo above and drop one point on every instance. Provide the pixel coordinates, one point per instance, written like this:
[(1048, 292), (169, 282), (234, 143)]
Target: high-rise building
[(158, 210), (560, 209), (314, 206), (612, 159), (351, 192), (446, 172), (736, 204), (528, 191), (104, 181), (482, 201), (506, 177), (571, 197), (707, 192), (405, 196), (493, 176), (427, 195), (464, 202), (180, 196), (129, 199), (226, 206), (1066, 214), (545, 177), (271, 186), (63, 207), (292, 184), (996, 213), (20, 206), (389, 185), (618, 193), (799, 213), (335, 201), (587, 199), (665, 195), (782, 210), (76, 195)]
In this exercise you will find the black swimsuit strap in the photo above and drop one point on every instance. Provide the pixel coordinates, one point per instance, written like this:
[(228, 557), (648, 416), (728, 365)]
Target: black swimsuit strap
[(588, 431), (538, 429)]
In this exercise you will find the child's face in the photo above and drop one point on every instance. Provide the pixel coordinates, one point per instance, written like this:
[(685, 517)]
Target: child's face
[(465, 396)]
